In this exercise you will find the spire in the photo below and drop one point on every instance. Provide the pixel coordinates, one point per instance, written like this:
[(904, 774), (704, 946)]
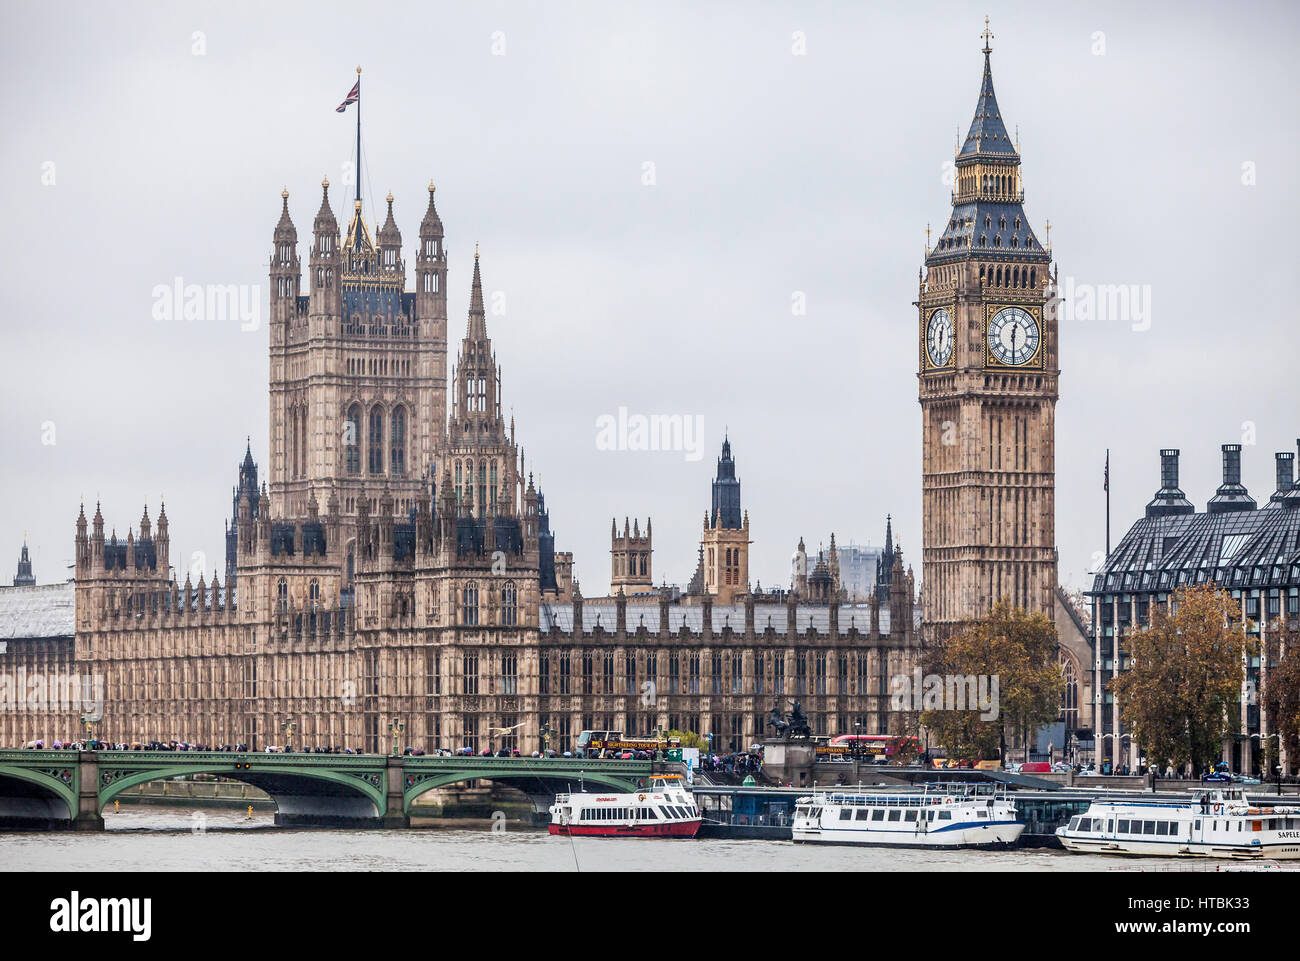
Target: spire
[(324, 222), (389, 234), (477, 317), (988, 134), (431, 225), (284, 229), (726, 492), (24, 577)]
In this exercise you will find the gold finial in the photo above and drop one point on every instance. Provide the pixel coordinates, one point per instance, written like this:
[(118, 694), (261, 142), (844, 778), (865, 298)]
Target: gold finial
[(357, 206), (987, 35), (285, 193), (325, 182), (359, 65), (389, 198), (1048, 225), (476, 250), (432, 188), (927, 238)]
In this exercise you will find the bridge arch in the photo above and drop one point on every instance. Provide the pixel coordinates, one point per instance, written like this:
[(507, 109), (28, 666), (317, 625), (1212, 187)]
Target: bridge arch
[(295, 790), (31, 793), (549, 782)]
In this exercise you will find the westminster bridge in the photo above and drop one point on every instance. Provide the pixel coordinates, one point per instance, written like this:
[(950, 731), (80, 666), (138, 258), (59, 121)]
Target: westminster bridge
[(70, 789)]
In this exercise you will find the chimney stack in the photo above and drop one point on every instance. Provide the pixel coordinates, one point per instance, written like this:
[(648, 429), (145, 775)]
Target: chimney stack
[(1169, 500), (1231, 495), (1290, 496), (1285, 461)]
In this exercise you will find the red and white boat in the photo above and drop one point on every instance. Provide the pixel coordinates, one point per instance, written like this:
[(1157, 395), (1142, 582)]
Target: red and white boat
[(663, 810)]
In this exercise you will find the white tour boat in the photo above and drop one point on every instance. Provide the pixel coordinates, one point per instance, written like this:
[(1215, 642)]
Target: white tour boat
[(1215, 824), (663, 810), (962, 815)]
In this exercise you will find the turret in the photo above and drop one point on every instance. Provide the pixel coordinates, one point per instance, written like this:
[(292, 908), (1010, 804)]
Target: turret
[(390, 245), (162, 542), (326, 258), (24, 576), (286, 270), (431, 277)]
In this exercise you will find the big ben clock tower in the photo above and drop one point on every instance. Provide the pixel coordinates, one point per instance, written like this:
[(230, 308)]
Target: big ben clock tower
[(987, 367)]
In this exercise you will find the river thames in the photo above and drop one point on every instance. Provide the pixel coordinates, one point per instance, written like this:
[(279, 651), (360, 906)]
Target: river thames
[(158, 838)]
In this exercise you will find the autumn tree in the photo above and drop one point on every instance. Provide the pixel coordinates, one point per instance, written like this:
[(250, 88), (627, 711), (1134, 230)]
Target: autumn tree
[(1016, 647), (1281, 691), (1184, 681)]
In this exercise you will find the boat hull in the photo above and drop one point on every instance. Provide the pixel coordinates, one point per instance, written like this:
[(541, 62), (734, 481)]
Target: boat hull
[(1285, 851), (675, 829), (1003, 834)]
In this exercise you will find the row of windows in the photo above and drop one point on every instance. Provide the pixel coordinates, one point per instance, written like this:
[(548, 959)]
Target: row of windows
[(509, 605), (895, 814), (375, 459)]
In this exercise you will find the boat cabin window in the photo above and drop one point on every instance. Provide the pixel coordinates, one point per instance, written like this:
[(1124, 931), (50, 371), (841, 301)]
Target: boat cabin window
[(878, 814), (895, 815), (909, 816), (861, 814), (945, 815), (846, 814)]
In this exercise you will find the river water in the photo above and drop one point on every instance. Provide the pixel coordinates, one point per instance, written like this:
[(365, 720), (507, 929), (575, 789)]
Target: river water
[(156, 838)]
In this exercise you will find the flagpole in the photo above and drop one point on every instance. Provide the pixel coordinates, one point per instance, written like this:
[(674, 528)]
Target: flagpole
[(1108, 503), (358, 134)]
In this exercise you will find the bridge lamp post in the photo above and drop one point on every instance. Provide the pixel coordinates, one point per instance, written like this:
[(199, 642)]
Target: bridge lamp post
[(88, 723), (395, 727), (545, 734), (288, 728)]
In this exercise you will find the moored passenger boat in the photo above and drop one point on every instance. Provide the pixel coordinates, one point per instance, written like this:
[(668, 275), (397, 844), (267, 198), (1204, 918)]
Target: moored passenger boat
[(1212, 824), (664, 809), (965, 815)]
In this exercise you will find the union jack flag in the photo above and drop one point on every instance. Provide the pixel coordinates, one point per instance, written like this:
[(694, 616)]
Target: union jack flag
[(352, 97)]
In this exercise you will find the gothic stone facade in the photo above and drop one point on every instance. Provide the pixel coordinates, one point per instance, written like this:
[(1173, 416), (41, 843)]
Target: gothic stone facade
[(400, 565)]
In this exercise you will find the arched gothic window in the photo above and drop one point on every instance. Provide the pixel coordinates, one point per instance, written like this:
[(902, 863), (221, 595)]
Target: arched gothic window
[(469, 606), (352, 440), (375, 465), (509, 604), (397, 453)]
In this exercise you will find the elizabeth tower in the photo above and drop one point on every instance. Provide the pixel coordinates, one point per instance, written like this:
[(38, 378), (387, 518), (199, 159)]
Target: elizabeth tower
[(987, 350)]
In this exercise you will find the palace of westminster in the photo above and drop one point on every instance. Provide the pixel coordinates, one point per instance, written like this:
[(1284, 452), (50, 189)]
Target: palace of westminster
[(397, 566)]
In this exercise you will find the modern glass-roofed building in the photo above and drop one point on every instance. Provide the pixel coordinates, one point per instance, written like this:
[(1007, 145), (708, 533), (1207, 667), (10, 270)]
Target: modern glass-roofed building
[(1249, 550)]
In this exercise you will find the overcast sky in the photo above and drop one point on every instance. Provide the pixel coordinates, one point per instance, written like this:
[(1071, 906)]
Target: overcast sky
[(145, 142)]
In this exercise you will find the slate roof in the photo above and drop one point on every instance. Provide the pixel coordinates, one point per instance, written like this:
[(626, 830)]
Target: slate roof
[(987, 136), (45, 610), (1237, 549)]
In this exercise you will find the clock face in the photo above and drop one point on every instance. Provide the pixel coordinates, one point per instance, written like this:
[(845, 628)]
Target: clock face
[(938, 338), (1013, 336)]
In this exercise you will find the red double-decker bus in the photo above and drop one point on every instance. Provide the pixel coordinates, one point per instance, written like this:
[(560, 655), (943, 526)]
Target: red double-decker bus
[(881, 746)]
